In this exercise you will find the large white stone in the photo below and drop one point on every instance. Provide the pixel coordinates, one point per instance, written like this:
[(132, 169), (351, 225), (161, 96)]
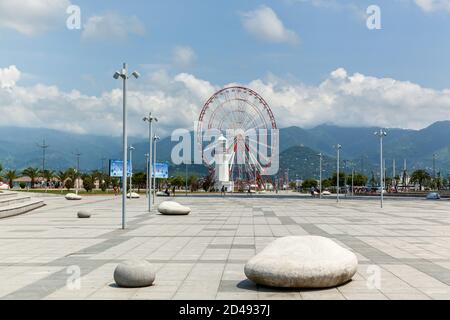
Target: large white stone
[(134, 274), (302, 262), (173, 208), (73, 196), (133, 195)]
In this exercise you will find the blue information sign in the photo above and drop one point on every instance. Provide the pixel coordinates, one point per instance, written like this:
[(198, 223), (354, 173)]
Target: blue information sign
[(161, 171), (116, 166)]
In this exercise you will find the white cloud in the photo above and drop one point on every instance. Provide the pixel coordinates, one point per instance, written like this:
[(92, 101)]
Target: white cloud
[(111, 26), (32, 17), (9, 76), (433, 5), (264, 24), (184, 56), (342, 99)]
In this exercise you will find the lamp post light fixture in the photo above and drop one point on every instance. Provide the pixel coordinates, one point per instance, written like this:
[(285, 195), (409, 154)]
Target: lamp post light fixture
[(150, 120), (155, 140), (131, 170), (381, 134), (338, 150), (123, 75), (320, 174)]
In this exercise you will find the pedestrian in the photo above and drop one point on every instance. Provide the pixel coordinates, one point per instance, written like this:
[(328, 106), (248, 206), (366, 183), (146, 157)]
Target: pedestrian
[(222, 191), (173, 190)]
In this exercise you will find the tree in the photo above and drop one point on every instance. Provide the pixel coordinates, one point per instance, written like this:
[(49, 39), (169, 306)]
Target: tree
[(193, 183), (88, 182), (308, 183), (69, 184), (32, 173), (208, 181), (358, 180), (11, 175), (48, 175), (139, 180), (341, 179), (177, 181), (326, 184), (62, 176), (1, 169), (421, 177)]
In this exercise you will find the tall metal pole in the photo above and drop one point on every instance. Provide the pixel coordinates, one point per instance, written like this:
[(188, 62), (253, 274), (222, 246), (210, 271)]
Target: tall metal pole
[(155, 139), (123, 74), (78, 172), (320, 175), (381, 169), (338, 148), (150, 120), (150, 139), (131, 170), (186, 178), (146, 175), (125, 147), (381, 134), (43, 146)]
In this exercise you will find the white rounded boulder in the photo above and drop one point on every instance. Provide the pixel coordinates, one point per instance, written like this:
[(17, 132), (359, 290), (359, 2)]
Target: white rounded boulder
[(133, 195), (173, 208), (73, 196), (134, 274), (302, 262)]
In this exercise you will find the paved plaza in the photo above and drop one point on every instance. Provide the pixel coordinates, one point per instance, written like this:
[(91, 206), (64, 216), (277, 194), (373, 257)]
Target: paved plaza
[(403, 249)]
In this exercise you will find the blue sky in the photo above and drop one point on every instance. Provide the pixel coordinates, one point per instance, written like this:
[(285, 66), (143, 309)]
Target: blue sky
[(216, 42)]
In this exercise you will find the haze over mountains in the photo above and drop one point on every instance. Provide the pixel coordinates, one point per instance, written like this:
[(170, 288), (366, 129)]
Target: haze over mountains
[(298, 149)]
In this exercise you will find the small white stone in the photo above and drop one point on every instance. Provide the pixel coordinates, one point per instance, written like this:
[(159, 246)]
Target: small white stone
[(302, 262), (73, 196), (173, 208), (134, 274)]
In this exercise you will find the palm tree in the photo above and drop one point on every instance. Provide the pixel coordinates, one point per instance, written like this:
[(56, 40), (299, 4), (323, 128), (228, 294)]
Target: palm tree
[(32, 173), (420, 177), (48, 176), (11, 175)]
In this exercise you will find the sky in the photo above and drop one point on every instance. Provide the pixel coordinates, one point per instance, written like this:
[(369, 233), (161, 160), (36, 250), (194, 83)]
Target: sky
[(314, 61)]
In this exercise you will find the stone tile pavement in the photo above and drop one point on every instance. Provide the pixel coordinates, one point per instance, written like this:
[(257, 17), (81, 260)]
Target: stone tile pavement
[(403, 249)]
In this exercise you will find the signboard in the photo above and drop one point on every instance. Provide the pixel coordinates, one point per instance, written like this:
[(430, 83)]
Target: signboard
[(161, 171), (116, 166)]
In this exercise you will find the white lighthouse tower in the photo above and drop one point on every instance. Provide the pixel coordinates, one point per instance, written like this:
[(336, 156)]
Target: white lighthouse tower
[(222, 170)]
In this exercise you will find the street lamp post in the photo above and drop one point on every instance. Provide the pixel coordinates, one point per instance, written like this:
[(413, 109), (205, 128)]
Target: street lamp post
[(155, 140), (320, 175), (123, 74), (77, 177), (150, 120), (186, 180), (131, 171), (338, 150), (381, 134), (146, 174)]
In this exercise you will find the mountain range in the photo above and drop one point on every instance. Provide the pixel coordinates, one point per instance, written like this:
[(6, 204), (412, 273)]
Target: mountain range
[(20, 148)]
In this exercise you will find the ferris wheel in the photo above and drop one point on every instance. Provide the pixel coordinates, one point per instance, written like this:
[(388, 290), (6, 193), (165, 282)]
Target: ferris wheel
[(241, 110)]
